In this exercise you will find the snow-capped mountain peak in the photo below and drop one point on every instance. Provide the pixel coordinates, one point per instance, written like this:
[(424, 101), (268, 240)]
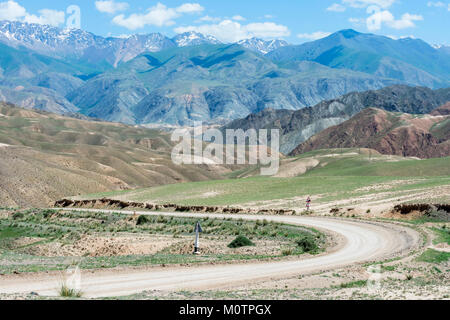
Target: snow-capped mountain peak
[(194, 38), (262, 46)]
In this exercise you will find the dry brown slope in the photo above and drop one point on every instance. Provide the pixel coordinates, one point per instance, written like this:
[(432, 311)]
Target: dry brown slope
[(44, 157), (401, 134)]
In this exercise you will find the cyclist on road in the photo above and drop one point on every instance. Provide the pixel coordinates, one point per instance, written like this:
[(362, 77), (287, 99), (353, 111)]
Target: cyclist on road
[(308, 204)]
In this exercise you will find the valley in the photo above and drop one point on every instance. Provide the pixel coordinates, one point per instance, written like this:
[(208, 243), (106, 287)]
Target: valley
[(45, 157), (95, 204)]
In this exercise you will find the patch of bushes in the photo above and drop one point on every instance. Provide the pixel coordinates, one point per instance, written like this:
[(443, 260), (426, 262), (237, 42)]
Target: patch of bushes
[(307, 243), (408, 208), (443, 207), (240, 241), (436, 211)]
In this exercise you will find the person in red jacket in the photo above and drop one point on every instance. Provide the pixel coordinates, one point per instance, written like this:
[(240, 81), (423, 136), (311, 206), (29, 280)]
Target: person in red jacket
[(308, 204)]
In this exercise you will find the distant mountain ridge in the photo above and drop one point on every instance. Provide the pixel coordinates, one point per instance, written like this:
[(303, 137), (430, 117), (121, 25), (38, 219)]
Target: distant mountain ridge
[(86, 46), (411, 60), (298, 126), (389, 133)]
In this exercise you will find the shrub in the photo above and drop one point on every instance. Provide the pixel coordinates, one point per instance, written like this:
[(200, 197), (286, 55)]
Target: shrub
[(240, 241), (142, 220), (47, 213), (307, 243), (66, 292), (18, 215)]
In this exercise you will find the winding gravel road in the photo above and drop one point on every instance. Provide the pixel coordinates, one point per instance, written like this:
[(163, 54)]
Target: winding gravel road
[(359, 242)]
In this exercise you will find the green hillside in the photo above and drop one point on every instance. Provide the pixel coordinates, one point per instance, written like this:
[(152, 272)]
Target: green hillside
[(340, 174)]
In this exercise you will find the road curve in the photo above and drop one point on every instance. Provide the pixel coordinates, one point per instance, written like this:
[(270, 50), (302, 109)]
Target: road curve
[(361, 242)]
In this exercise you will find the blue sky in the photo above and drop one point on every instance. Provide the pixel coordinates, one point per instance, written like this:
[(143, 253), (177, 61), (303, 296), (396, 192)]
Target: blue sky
[(296, 21)]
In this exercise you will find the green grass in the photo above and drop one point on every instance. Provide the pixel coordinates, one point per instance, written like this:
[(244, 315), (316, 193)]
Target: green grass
[(443, 235), (11, 262), (68, 227), (388, 268), (433, 256), (339, 177), (360, 166), (259, 189), (353, 284)]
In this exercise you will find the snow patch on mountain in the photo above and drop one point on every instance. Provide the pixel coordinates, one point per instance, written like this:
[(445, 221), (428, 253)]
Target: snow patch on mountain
[(262, 46)]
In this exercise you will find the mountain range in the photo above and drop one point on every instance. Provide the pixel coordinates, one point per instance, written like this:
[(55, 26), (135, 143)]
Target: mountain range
[(210, 83), (156, 80), (298, 126), (104, 52)]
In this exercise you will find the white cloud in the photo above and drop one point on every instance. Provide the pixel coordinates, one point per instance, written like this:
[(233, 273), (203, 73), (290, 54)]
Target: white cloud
[(378, 18), (336, 7), (267, 30), (365, 3), (268, 16), (238, 18), (110, 6), (313, 36), (159, 15), (190, 8), (47, 16), (232, 31), (437, 4), (208, 19), (12, 11), (357, 21)]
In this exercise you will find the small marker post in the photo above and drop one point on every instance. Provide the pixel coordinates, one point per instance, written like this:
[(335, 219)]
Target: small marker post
[(198, 229)]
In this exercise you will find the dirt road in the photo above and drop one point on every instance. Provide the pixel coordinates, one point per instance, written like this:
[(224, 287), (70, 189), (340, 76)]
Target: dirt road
[(359, 242)]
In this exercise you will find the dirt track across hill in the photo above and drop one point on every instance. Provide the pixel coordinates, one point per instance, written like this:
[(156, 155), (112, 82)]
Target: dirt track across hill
[(360, 242)]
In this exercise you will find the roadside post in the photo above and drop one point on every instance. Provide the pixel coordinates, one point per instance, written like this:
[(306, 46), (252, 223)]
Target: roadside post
[(198, 229)]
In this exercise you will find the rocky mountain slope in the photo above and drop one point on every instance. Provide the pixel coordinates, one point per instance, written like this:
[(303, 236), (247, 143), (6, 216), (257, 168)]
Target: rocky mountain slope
[(210, 83), (298, 126), (442, 111), (45, 157), (389, 133)]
